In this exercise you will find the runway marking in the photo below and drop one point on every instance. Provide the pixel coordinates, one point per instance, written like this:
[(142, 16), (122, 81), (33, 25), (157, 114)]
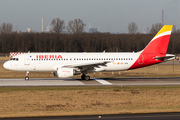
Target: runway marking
[(103, 81)]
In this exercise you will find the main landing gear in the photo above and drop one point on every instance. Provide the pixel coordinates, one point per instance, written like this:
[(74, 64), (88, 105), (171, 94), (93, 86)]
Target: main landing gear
[(85, 77), (27, 76)]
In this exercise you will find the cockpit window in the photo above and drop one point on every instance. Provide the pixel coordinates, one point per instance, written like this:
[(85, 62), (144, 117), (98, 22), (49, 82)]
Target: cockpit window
[(14, 59)]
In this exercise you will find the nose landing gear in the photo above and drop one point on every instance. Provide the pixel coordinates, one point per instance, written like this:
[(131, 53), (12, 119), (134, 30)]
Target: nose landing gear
[(27, 76)]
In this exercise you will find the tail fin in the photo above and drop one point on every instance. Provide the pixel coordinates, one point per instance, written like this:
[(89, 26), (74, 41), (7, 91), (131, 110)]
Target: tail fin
[(155, 51), (159, 44)]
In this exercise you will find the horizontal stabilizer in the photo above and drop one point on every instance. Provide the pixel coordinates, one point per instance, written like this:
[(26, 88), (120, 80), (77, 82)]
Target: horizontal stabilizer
[(166, 58)]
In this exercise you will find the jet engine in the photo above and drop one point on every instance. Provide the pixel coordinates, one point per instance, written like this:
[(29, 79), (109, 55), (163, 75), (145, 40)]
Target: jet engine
[(64, 72)]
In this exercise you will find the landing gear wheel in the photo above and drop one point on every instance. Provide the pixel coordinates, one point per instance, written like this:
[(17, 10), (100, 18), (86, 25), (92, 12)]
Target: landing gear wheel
[(26, 78), (85, 77)]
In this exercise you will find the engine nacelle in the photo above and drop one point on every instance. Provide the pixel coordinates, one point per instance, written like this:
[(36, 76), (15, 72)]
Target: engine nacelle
[(64, 72)]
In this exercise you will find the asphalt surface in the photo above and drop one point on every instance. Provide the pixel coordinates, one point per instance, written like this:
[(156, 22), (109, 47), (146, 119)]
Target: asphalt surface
[(151, 116), (130, 81)]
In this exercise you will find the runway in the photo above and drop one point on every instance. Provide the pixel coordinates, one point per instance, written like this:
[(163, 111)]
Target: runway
[(130, 81), (150, 116)]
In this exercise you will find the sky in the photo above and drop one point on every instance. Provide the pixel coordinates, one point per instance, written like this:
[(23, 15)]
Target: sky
[(108, 15)]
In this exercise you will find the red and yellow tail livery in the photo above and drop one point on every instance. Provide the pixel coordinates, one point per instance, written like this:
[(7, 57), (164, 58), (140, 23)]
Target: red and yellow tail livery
[(155, 51)]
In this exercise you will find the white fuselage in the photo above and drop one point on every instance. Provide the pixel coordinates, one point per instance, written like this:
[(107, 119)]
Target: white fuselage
[(51, 61)]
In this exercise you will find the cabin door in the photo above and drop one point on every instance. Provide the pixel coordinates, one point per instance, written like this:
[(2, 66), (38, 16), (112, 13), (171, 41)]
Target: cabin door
[(26, 60)]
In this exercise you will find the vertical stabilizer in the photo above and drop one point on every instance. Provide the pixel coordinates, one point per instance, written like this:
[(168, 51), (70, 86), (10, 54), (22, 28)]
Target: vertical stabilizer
[(159, 43), (156, 48)]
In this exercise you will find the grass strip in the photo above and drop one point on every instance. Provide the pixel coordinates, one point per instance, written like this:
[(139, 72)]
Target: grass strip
[(63, 101)]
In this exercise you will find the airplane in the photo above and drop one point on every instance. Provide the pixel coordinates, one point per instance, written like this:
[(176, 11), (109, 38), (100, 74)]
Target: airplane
[(69, 64)]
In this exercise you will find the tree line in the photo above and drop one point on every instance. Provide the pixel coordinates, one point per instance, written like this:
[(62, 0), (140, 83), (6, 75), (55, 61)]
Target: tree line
[(78, 41), (82, 42)]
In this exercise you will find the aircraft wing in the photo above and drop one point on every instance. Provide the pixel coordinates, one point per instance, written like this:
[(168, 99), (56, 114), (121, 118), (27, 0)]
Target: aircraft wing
[(87, 65)]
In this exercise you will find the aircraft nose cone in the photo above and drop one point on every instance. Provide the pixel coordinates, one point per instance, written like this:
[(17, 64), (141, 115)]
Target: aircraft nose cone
[(5, 65)]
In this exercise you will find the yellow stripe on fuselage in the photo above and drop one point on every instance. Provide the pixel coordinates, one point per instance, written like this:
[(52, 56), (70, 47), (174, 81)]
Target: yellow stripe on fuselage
[(165, 28)]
